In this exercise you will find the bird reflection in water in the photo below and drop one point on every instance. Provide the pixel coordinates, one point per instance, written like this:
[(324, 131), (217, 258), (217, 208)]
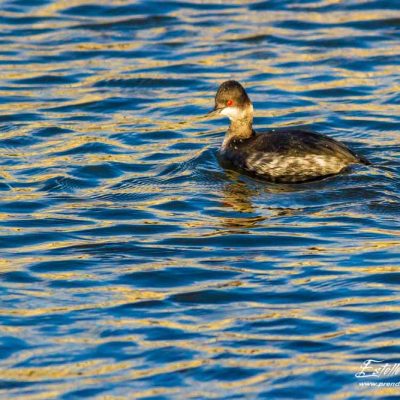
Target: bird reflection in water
[(238, 195)]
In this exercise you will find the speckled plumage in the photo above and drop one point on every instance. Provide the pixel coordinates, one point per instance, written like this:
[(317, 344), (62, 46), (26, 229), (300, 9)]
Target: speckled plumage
[(289, 155), (285, 155)]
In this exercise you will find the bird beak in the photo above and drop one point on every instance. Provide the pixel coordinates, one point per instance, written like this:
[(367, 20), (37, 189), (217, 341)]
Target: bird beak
[(214, 112)]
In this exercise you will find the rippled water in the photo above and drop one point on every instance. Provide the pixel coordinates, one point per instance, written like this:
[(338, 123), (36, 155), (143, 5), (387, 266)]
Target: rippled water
[(133, 265)]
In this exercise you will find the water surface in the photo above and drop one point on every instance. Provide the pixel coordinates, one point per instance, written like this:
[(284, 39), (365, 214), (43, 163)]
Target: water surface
[(132, 264)]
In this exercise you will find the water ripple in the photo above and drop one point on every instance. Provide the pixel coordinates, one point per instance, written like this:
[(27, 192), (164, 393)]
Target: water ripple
[(133, 263)]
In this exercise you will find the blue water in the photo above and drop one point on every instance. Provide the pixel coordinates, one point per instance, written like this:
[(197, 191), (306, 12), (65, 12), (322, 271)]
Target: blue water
[(133, 265)]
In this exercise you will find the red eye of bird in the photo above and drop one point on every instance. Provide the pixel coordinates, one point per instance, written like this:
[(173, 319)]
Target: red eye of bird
[(229, 103)]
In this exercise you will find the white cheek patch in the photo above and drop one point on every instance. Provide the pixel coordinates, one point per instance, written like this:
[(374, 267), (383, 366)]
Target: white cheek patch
[(231, 112)]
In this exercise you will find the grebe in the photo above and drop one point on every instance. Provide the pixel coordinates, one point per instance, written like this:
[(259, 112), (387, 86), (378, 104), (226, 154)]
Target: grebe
[(284, 155)]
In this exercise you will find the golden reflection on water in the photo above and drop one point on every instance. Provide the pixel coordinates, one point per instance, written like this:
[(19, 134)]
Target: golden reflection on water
[(235, 203)]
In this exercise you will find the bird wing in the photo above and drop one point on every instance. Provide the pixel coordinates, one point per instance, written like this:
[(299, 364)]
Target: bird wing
[(297, 143)]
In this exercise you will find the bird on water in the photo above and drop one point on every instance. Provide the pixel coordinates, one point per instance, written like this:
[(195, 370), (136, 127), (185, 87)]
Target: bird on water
[(282, 156)]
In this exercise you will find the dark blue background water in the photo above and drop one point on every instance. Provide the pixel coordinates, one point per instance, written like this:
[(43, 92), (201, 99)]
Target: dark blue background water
[(132, 264)]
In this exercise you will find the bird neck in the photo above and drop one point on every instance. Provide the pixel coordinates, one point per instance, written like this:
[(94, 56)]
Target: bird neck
[(241, 127)]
